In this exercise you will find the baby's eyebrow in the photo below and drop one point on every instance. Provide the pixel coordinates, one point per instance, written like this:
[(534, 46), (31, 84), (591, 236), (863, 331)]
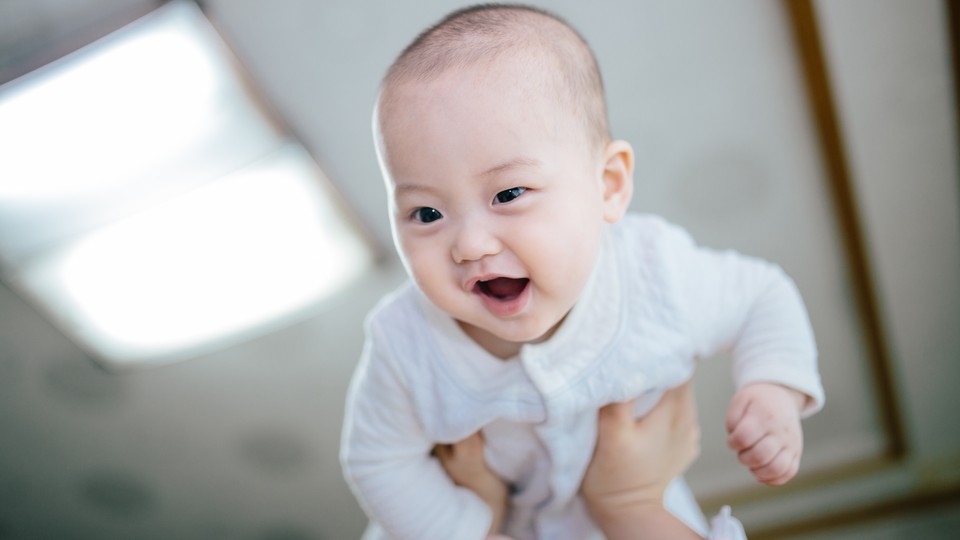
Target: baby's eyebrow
[(511, 164), (402, 189)]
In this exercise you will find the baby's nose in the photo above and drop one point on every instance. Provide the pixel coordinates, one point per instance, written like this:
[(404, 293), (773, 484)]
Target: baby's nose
[(474, 243)]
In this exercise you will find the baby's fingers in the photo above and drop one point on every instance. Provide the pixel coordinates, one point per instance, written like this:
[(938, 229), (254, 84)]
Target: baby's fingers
[(779, 470), (736, 410), (761, 453), (745, 433)]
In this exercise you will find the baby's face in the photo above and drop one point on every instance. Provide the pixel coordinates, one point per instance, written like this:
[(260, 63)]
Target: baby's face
[(497, 202)]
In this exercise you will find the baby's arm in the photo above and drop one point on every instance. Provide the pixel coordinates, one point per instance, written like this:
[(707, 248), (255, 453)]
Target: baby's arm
[(386, 460), (775, 369), (753, 309)]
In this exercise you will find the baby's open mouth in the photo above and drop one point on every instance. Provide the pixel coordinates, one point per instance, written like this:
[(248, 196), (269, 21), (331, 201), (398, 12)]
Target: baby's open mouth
[(502, 288)]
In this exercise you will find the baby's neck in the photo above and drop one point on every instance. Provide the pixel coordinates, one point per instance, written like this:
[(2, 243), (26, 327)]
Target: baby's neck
[(497, 347)]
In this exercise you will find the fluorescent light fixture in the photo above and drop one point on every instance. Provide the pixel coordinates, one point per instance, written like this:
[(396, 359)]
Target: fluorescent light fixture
[(152, 210), (136, 117), (247, 249)]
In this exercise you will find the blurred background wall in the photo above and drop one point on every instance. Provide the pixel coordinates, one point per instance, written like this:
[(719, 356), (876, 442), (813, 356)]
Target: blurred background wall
[(845, 172)]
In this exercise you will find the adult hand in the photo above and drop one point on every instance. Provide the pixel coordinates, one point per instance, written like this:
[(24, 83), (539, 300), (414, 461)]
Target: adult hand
[(635, 460), (464, 463)]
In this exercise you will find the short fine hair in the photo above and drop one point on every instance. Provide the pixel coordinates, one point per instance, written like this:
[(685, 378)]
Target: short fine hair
[(486, 32)]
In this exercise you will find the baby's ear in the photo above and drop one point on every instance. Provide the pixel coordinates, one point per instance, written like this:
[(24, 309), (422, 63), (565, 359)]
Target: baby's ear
[(617, 180)]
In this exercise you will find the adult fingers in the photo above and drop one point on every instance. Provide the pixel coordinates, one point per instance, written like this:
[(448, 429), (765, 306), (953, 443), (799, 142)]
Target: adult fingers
[(616, 415), (676, 406), (470, 447), (685, 405), (442, 451)]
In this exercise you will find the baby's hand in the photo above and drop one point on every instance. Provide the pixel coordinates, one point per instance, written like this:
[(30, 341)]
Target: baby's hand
[(763, 423), (463, 461)]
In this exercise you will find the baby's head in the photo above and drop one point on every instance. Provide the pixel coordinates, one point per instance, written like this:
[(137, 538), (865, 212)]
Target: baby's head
[(556, 61), (492, 136)]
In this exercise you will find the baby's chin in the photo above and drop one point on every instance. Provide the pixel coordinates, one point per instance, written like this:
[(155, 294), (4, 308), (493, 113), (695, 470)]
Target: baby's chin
[(510, 338)]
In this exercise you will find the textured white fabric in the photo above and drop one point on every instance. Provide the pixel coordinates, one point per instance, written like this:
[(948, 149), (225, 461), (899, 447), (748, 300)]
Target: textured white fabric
[(724, 526), (654, 304)]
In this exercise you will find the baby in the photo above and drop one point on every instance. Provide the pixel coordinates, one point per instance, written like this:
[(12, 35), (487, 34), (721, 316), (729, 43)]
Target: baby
[(536, 299)]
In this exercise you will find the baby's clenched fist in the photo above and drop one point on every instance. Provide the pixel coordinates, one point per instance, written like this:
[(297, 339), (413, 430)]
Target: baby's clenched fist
[(763, 426)]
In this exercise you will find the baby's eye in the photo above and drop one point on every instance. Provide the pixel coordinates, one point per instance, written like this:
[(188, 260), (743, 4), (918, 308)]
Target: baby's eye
[(426, 214), (508, 195)]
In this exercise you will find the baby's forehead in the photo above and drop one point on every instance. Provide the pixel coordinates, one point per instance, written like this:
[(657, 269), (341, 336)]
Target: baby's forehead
[(483, 116), (490, 81)]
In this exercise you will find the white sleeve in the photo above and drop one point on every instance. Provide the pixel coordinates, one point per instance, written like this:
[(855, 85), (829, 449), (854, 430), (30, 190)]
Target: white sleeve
[(386, 460), (751, 308)]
